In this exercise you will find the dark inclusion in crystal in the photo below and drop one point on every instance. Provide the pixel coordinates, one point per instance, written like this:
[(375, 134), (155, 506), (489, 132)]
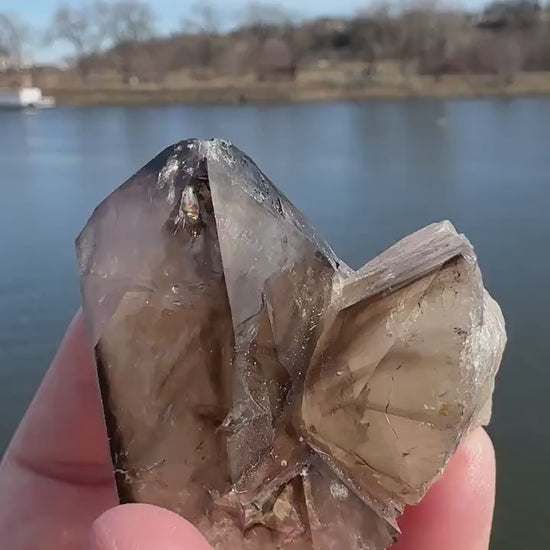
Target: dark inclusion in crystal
[(255, 384)]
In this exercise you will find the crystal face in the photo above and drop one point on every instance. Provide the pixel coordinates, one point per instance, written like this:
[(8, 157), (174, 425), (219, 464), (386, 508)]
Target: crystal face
[(255, 384)]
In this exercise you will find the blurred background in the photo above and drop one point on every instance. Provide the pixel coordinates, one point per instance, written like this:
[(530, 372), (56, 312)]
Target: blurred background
[(167, 51), (373, 118)]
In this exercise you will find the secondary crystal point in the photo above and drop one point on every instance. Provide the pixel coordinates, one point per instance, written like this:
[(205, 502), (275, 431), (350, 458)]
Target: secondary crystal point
[(255, 384)]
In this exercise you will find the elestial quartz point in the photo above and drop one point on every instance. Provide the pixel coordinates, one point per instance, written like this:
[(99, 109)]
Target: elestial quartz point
[(255, 384)]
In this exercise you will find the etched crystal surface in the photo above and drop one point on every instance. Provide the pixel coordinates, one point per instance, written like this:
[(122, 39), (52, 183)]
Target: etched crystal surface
[(254, 383)]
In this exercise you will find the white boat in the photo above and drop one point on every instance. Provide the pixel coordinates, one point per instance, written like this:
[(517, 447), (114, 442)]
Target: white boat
[(24, 97)]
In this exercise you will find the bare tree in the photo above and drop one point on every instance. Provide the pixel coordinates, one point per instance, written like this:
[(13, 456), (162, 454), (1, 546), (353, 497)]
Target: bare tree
[(84, 29), (13, 36), (263, 22), (127, 24), (371, 32), (424, 36), (417, 27), (206, 25), (129, 21)]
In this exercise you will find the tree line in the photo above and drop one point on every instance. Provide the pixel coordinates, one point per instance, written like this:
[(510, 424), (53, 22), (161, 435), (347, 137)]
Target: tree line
[(423, 37)]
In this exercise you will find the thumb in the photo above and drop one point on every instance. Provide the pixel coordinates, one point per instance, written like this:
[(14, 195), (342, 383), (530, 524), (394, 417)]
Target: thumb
[(143, 526)]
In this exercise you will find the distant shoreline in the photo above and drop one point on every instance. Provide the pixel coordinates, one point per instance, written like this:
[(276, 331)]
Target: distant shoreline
[(449, 86)]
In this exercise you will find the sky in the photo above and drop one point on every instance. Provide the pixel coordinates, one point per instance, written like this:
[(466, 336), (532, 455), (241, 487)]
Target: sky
[(37, 14)]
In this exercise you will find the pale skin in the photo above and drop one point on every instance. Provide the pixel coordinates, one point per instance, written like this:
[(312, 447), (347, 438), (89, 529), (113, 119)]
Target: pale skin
[(56, 488)]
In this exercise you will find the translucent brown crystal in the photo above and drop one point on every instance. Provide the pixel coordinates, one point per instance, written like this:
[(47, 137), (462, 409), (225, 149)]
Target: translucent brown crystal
[(254, 383)]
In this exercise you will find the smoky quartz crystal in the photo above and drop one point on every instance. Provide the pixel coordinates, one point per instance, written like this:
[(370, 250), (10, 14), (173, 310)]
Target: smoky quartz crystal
[(255, 384)]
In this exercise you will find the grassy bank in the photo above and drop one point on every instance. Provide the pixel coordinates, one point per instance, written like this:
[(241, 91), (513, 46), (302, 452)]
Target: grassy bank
[(310, 86)]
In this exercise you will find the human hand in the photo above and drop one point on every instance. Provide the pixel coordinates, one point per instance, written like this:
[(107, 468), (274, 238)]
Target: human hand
[(57, 490)]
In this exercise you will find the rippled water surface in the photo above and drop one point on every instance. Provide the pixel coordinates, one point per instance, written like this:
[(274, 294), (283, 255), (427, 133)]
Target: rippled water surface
[(366, 174)]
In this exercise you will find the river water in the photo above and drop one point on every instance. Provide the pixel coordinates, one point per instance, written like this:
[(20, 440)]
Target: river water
[(365, 174)]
